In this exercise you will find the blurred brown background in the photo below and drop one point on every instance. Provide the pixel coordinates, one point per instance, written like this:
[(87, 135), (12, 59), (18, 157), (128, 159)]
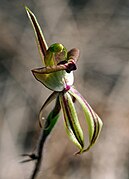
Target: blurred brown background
[(100, 29)]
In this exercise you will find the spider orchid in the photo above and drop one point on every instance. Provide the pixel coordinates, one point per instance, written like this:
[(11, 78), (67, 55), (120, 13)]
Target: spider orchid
[(57, 75)]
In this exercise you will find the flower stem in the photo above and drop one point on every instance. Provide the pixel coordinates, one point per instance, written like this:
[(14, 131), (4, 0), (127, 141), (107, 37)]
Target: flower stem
[(40, 155)]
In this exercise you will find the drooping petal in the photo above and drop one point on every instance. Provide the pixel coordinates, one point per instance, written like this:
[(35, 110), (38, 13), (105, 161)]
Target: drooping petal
[(42, 45), (72, 124), (52, 119), (92, 119), (47, 102)]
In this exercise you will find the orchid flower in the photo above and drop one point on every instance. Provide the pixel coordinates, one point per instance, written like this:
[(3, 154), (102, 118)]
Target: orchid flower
[(57, 75)]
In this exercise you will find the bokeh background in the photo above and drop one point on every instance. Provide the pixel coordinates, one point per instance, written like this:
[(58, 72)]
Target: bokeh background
[(100, 29)]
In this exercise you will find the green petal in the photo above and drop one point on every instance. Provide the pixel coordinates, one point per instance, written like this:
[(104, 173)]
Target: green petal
[(92, 119), (72, 125), (42, 45), (47, 102), (52, 119)]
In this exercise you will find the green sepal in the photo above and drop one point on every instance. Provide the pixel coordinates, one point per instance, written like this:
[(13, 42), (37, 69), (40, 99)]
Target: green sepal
[(92, 119), (47, 102), (52, 119), (72, 124), (41, 43)]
